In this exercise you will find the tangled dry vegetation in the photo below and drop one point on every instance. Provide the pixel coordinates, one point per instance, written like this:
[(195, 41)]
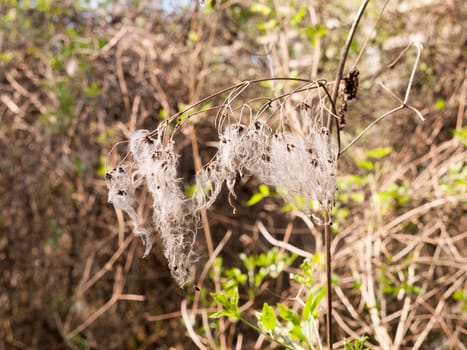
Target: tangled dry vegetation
[(74, 82)]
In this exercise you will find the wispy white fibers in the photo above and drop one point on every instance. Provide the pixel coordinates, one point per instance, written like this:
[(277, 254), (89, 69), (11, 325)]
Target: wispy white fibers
[(299, 163), (174, 218), (121, 190)]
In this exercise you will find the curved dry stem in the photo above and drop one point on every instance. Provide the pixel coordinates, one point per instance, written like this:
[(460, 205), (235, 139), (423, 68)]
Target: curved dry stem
[(344, 55), (235, 90), (369, 36), (340, 70), (419, 48), (208, 265), (191, 331), (283, 245), (403, 105), (373, 123)]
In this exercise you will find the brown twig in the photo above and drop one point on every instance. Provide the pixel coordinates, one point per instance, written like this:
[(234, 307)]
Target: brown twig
[(281, 244), (343, 59), (403, 102), (117, 292)]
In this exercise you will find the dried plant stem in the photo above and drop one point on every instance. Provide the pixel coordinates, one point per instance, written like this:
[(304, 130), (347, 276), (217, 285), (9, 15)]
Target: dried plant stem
[(281, 244), (327, 239), (344, 55), (208, 265), (117, 292), (327, 232), (461, 108), (404, 103), (369, 36), (234, 88), (186, 317)]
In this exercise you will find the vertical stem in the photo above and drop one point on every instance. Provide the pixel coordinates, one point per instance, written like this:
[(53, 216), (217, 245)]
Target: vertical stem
[(327, 231), (327, 238)]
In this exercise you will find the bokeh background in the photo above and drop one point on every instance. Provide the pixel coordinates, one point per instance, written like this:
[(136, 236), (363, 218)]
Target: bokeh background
[(76, 77)]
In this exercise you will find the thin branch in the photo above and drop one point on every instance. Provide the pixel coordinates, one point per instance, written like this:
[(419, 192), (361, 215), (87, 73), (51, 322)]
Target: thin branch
[(117, 292), (242, 85), (373, 123), (209, 263), (189, 327), (108, 265), (369, 36), (345, 53), (419, 48), (175, 314), (403, 105), (213, 254), (283, 245)]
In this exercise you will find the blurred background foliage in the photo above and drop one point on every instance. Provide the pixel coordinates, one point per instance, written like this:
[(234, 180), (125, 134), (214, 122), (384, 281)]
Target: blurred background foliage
[(78, 76)]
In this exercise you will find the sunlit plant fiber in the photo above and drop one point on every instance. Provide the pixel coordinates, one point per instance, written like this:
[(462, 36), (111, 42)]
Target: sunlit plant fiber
[(297, 157)]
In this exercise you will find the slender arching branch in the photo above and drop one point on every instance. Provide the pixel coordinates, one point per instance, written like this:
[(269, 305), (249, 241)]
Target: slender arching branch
[(345, 53), (340, 69)]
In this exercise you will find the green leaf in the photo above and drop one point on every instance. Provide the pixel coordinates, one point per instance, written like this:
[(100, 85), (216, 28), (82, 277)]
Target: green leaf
[(92, 90), (267, 259), (264, 189), (312, 303), (190, 190), (234, 300), (288, 315), (288, 207), (255, 199), (365, 164), (297, 18), (358, 196), (379, 152), (43, 5), (461, 135), (228, 299), (101, 170), (440, 104), (306, 277), (6, 57), (359, 344), (357, 284), (460, 295), (163, 113), (313, 33), (222, 299), (297, 332), (260, 8), (235, 275), (221, 313), (194, 37), (266, 84), (271, 24), (268, 317)]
